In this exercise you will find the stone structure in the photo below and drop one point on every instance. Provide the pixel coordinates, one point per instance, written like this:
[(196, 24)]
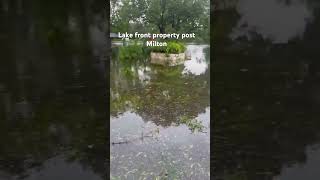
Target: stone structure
[(167, 59)]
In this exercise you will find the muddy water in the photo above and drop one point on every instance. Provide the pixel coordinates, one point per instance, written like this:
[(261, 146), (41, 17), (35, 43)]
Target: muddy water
[(160, 118)]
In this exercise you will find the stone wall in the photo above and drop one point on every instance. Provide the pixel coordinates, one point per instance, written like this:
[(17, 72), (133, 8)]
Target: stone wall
[(167, 59)]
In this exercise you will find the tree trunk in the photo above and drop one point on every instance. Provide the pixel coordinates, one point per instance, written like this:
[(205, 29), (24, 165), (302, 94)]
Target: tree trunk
[(162, 29)]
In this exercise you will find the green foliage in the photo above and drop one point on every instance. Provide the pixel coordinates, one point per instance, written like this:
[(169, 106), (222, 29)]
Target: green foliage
[(125, 15), (161, 49), (161, 16), (125, 102), (193, 124), (131, 52), (129, 55), (175, 48), (171, 48)]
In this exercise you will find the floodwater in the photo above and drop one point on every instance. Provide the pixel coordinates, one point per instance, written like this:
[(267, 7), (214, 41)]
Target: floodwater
[(266, 90), (160, 118), (53, 109)]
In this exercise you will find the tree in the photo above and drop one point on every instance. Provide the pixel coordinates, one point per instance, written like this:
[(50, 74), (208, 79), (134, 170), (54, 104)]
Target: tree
[(164, 16)]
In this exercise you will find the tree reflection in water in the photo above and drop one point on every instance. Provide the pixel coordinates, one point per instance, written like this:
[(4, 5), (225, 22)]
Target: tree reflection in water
[(52, 88), (158, 94), (265, 97), (160, 118)]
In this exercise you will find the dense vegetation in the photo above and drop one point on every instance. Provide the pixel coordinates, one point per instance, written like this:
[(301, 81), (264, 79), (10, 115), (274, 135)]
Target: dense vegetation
[(137, 52), (161, 16), (171, 48), (131, 52)]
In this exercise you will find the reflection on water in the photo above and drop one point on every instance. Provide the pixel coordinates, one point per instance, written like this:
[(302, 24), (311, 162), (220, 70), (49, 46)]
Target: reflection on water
[(52, 89), (277, 21), (309, 170), (266, 91), (198, 64), (58, 168), (160, 119)]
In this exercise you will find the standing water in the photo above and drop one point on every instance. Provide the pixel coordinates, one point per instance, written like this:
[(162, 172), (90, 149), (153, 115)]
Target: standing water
[(53, 90), (160, 119), (266, 90)]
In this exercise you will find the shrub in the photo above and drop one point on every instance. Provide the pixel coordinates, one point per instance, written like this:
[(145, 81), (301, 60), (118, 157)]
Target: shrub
[(131, 52), (171, 48)]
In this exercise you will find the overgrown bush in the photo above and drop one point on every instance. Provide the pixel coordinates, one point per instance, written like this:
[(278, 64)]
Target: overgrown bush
[(171, 48), (175, 48), (131, 52)]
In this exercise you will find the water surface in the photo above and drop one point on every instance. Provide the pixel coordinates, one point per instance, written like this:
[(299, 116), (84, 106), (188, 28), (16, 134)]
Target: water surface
[(266, 90), (53, 90), (148, 137)]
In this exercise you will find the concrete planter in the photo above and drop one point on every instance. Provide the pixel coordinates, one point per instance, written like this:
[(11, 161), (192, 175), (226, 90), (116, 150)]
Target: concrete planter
[(167, 59)]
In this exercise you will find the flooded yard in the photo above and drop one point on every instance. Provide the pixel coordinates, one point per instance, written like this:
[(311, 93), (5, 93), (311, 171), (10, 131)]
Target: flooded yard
[(53, 96), (160, 118), (266, 90)]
